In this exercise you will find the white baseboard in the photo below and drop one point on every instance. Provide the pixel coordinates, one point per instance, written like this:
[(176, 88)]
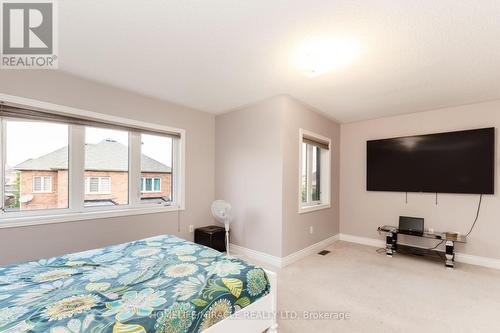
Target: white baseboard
[(282, 262), (362, 240), (313, 249), (459, 257), (257, 255), (294, 257), (477, 260)]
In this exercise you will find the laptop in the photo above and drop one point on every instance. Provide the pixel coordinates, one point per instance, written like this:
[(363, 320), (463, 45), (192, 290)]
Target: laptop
[(411, 225)]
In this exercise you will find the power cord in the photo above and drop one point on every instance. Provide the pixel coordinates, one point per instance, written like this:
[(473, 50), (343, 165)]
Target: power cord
[(473, 224), (435, 247), (477, 215)]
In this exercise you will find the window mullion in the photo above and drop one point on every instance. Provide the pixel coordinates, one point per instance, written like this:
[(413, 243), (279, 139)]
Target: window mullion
[(135, 144), (76, 167)]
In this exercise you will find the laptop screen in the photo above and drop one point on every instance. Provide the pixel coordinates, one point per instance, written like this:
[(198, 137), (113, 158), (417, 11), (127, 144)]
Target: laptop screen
[(411, 224)]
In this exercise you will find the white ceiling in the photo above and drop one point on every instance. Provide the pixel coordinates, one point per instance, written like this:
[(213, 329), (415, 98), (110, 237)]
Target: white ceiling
[(216, 55)]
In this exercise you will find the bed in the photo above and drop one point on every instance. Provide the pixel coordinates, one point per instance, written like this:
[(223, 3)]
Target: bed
[(162, 284)]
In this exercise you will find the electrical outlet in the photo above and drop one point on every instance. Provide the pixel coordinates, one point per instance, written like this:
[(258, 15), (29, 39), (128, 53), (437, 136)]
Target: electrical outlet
[(311, 230), (191, 228)]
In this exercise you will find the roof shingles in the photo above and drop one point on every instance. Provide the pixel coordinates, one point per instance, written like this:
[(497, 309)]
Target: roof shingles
[(107, 155)]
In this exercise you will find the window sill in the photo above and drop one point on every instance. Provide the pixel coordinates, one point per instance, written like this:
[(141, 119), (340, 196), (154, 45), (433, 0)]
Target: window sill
[(14, 222), (309, 209)]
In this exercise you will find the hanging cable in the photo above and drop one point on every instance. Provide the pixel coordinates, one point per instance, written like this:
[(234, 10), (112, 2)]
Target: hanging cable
[(477, 215), (473, 224)]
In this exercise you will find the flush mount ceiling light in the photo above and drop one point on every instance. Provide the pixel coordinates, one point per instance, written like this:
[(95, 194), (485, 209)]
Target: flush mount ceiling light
[(318, 56)]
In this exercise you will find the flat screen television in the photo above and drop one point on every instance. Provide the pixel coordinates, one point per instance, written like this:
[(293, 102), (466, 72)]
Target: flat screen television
[(454, 162)]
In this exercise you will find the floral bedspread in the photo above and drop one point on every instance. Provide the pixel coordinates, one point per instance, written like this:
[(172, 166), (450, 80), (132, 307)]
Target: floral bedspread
[(161, 284)]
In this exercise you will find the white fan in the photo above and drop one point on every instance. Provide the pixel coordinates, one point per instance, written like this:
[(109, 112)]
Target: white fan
[(221, 210)]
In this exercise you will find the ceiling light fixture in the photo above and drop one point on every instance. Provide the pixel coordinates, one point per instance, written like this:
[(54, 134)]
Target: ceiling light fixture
[(319, 56)]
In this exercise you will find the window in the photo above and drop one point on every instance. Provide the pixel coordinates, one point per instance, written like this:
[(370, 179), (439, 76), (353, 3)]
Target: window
[(150, 184), (314, 184), (56, 165), (97, 185), (42, 184), (156, 169), (35, 175)]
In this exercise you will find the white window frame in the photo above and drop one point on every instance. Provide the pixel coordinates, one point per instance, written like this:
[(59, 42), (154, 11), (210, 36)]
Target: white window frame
[(99, 185), (325, 174), (77, 211), (42, 182), (143, 181)]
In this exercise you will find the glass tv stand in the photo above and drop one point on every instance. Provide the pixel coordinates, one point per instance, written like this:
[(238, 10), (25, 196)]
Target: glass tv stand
[(392, 246)]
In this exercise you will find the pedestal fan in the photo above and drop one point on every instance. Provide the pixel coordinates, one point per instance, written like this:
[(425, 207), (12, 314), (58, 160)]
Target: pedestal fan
[(221, 210)]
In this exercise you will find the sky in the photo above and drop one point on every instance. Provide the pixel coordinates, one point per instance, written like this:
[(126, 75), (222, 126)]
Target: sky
[(25, 140)]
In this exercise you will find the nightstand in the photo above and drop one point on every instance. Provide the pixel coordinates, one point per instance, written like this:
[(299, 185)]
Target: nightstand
[(212, 236)]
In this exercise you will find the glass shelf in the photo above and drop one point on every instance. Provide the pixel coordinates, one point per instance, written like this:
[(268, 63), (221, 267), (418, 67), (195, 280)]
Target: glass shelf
[(434, 235)]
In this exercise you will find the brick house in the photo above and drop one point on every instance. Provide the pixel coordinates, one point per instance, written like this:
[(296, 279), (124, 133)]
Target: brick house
[(44, 180)]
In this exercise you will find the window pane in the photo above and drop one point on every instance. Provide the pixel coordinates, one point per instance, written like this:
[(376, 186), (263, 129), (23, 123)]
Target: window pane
[(37, 184), (315, 182), (36, 170), (105, 186), (106, 165), (303, 183), (149, 184), (47, 184), (157, 185), (156, 168), (94, 185)]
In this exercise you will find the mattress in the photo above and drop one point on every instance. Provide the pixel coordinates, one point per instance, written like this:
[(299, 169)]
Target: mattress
[(160, 284)]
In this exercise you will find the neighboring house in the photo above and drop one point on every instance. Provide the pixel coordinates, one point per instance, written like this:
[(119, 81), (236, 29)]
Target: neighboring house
[(44, 180)]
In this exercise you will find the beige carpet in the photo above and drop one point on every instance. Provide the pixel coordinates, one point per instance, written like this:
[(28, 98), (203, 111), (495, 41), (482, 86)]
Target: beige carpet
[(402, 294)]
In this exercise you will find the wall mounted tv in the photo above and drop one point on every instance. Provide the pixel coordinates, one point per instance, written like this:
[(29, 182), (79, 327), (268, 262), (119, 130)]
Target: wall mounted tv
[(454, 162)]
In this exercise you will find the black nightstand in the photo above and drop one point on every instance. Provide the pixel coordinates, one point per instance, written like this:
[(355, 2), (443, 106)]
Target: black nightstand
[(212, 236)]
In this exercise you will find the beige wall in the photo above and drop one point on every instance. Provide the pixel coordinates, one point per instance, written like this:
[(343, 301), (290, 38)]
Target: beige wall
[(257, 158), (362, 212), (249, 173), (325, 223), (25, 243)]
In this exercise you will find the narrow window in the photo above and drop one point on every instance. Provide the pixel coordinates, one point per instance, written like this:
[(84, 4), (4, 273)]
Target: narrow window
[(314, 172)]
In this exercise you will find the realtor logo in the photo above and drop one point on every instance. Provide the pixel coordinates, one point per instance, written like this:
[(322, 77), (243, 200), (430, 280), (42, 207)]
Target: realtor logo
[(28, 34)]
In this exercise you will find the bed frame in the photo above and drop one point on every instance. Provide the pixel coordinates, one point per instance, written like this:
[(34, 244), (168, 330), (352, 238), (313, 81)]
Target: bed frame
[(255, 318)]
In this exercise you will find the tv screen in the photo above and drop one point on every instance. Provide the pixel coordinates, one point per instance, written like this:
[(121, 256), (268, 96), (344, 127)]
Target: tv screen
[(454, 162)]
